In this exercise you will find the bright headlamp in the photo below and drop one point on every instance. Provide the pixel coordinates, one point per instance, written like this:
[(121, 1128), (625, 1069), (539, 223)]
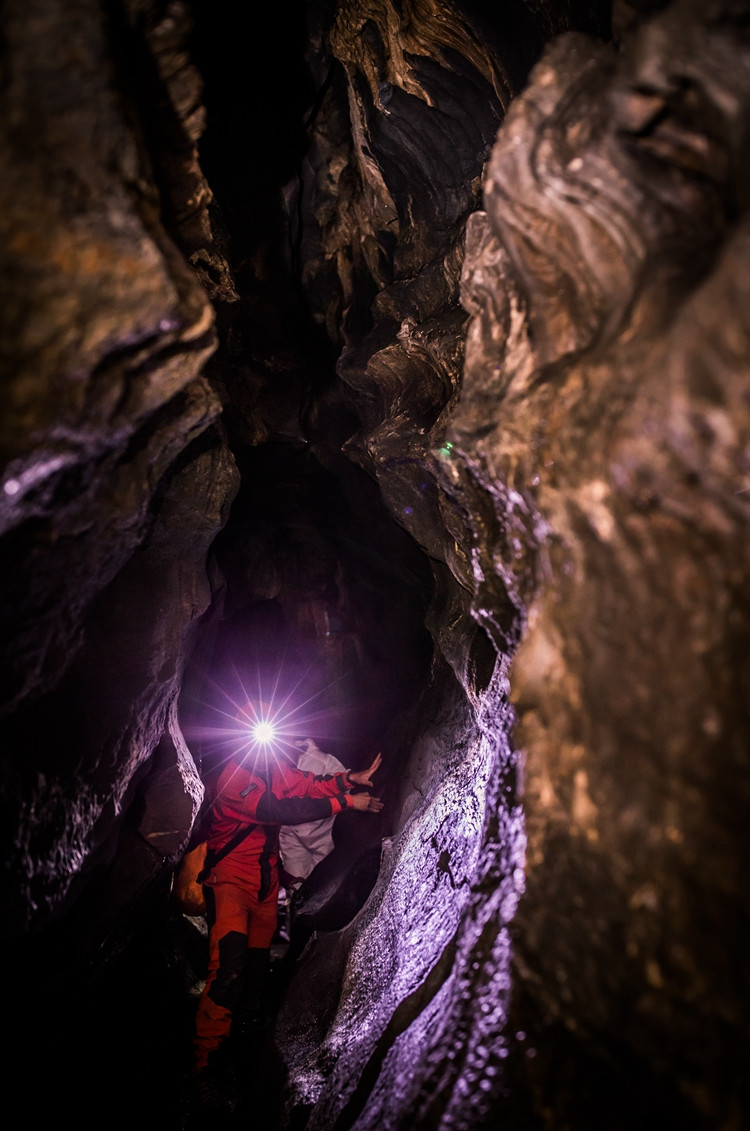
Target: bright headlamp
[(264, 732)]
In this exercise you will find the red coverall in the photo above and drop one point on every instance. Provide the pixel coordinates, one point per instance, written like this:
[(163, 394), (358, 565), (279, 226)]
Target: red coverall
[(242, 889)]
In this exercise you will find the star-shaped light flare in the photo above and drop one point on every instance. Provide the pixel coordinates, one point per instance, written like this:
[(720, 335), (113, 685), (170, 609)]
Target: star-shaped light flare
[(264, 727)]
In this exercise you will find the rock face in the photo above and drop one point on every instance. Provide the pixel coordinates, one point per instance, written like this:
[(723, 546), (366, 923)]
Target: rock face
[(115, 477), (619, 352), (414, 395)]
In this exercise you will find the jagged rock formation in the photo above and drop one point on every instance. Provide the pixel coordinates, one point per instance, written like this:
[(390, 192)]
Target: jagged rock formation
[(415, 379)]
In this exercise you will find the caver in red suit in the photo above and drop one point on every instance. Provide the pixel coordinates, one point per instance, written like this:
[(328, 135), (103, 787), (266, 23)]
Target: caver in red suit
[(242, 888)]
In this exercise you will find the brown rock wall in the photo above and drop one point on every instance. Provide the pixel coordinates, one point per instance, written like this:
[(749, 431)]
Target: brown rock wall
[(115, 479), (609, 346)]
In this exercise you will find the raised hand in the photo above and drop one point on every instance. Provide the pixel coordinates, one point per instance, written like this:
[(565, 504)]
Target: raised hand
[(362, 777)]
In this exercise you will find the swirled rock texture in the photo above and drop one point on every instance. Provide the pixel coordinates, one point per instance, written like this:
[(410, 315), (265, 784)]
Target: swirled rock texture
[(605, 395)]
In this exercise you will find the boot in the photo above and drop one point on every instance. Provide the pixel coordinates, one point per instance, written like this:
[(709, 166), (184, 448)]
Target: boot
[(251, 1018), (212, 1091)]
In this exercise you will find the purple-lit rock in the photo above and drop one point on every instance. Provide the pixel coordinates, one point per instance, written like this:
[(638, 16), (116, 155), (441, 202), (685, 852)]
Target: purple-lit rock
[(425, 967)]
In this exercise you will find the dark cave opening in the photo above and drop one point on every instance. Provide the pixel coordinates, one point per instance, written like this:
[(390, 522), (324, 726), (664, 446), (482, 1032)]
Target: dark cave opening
[(337, 637)]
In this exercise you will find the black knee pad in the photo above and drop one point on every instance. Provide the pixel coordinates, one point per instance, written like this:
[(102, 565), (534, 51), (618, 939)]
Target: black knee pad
[(226, 989)]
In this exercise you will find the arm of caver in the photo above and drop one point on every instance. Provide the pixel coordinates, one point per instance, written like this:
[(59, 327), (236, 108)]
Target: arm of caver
[(293, 798), (272, 809), (288, 781)]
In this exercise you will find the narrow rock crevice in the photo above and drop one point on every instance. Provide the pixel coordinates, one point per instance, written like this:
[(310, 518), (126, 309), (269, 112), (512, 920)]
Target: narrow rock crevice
[(388, 361)]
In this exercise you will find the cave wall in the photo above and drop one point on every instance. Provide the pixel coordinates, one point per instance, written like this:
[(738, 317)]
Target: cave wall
[(512, 302), (616, 219), (115, 474), (582, 477)]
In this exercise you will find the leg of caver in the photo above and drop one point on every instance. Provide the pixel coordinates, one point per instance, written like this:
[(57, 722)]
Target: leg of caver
[(253, 1004), (229, 913), (254, 997)]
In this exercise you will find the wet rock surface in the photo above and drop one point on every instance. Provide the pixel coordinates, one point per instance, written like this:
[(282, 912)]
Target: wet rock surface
[(414, 379)]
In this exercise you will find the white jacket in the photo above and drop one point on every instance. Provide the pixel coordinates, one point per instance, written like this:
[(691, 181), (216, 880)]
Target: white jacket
[(303, 846)]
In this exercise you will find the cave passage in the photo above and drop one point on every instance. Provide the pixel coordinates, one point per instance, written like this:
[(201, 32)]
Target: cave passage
[(323, 612), (382, 363)]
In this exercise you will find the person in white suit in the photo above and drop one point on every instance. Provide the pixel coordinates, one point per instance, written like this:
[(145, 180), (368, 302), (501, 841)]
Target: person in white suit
[(303, 846)]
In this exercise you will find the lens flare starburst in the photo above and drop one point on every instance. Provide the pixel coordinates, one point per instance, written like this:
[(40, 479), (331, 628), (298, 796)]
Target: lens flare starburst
[(264, 726), (264, 732)]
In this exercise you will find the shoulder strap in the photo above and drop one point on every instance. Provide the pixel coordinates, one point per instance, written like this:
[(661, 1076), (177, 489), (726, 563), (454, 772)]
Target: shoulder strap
[(213, 858)]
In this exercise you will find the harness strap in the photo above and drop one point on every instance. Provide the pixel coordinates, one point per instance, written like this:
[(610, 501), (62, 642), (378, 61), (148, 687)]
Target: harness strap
[(213, 858)]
